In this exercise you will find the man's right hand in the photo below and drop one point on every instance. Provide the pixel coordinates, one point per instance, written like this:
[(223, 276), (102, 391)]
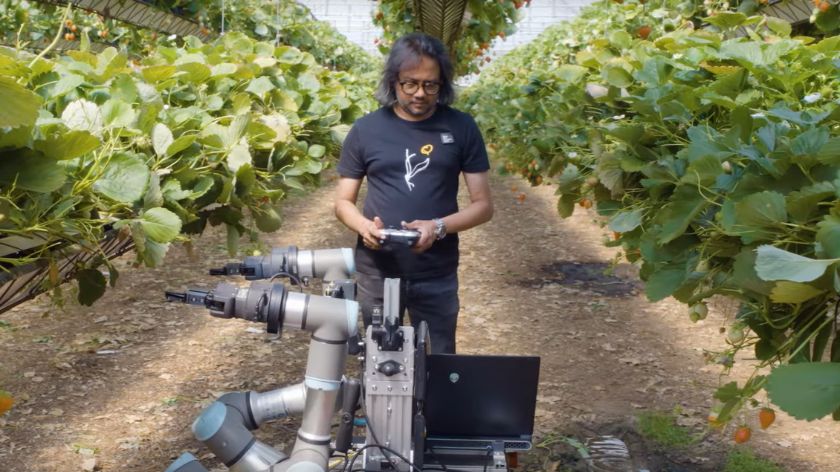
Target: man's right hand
[(370, 233)]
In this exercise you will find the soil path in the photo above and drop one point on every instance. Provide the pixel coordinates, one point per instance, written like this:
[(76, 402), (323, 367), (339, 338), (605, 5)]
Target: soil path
[(115, 387)]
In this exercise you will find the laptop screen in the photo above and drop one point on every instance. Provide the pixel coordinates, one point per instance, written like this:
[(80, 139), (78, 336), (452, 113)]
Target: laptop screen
[(481, 396)]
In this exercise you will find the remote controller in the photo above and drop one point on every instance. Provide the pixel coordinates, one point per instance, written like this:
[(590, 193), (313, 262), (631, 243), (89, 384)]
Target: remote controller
[(407, 237)]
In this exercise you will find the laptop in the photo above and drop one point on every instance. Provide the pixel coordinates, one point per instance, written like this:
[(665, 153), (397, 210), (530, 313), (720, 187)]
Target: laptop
[(480, 401)]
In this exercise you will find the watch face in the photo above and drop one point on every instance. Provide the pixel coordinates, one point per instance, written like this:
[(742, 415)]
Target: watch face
[(440, 230)]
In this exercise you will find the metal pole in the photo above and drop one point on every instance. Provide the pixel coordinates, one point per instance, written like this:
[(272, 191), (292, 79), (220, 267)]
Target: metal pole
[(223, 17)]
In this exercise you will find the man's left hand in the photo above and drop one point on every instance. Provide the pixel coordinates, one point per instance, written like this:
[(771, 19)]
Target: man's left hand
[(427, 234)]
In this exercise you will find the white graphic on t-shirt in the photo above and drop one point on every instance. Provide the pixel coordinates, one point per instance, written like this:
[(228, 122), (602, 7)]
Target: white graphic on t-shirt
[(411, 171)]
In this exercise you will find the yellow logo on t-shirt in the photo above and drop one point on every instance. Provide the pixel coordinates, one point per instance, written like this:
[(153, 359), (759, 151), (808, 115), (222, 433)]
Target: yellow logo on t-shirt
[(427, 149)]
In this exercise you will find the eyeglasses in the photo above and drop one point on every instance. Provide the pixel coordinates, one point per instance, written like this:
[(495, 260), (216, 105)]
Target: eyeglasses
[(411, 87)]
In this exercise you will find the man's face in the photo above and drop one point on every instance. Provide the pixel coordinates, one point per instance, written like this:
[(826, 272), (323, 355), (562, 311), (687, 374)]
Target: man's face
[(419, 104)]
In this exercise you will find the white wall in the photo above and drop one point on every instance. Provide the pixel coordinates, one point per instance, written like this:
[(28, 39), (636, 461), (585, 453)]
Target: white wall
[(352, 18)]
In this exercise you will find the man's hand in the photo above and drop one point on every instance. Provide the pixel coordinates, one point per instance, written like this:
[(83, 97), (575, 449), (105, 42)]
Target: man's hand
[(427, 234), (370, 233)]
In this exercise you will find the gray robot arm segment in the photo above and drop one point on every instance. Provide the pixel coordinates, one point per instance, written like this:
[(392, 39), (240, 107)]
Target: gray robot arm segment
[(224, 430)]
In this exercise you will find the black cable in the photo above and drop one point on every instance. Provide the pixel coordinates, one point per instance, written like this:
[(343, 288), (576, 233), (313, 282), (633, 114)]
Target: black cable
[(375, 443), (292, 277), (372, 432), (383, 449)]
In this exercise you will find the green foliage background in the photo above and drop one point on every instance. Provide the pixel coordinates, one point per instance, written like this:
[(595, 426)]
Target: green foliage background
[(711, 147)]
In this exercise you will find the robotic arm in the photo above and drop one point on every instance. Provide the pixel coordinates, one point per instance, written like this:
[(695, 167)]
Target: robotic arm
[(225, 425), (335, 267)]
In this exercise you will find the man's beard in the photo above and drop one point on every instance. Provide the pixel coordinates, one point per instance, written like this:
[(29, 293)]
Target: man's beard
[(407, 106)]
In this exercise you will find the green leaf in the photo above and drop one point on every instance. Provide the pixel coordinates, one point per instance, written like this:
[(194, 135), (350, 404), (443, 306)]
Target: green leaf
[(309, 82), (830, 152), (20, 106), (154, 195), (67, 83), (773, 263), (237, 129), (223, 69), (837, 280), (148, 116), (828, 236), (758, 217), (31, 170), (92, 286), (316, 151), (204, 184), (806, 391), (662, 283), (571, 73), (118, 114), (160, 225), (124, 179), (629, 133), (183, 142), (778, 26), (67, 145), (83, 115), (194, 72), (267, 219), (158, 73), (728, 392), (173, 192), (232, 240), (616, 75), (610, 174), (161, 139), (726, 19), (744, 274), (810, 142), (626, 221), (566, 205), (239, 155), (793, 292), (678, 214), (828, 21), (260, 86), (153, 253), (802, 204), (288, 55)]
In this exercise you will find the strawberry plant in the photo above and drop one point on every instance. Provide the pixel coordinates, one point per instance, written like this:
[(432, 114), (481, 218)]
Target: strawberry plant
[(483, 23), (25, 23), (713, 156), (189, 136)]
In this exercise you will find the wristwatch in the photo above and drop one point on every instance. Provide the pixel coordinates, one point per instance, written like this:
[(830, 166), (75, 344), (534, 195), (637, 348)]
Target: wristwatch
[(440, 229)]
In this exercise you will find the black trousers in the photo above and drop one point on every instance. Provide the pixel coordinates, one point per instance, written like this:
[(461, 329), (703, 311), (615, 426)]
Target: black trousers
[(433, 300)]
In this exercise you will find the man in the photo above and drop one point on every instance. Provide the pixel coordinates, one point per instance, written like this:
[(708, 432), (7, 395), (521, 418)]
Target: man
[(413, 151)]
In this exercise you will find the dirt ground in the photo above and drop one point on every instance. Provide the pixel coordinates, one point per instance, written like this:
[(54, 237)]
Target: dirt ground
[(116, 387)]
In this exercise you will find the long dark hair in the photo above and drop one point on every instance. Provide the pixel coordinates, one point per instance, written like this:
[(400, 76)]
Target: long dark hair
[(407, 51)]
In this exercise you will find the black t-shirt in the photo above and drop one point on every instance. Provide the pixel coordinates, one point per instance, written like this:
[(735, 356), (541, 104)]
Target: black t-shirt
[(413, 169)]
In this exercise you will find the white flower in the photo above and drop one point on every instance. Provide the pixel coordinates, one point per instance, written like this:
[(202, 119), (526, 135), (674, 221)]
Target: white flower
[(172, 37), (811, 98), (596, 91), (573, 154)]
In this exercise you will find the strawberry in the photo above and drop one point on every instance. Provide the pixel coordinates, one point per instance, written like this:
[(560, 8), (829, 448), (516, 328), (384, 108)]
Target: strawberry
[(766, 417), (742, 434)]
